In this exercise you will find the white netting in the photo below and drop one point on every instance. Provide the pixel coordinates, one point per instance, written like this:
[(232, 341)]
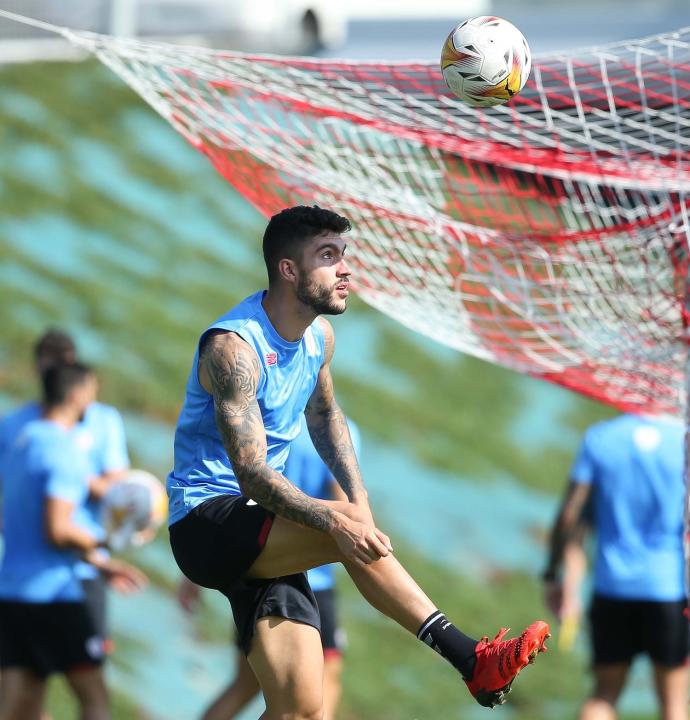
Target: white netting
[(549, 236)]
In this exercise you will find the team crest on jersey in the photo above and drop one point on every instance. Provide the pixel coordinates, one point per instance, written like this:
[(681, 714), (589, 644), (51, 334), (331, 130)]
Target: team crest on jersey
[(271, 358), (84, 440)]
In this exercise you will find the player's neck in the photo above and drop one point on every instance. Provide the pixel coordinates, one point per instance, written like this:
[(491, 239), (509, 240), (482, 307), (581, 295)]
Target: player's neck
[(289, 317), (63, 415)]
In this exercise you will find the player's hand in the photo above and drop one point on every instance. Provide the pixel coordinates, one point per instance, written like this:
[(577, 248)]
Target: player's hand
[(188, 594), (123, 577), (563, 603), (360, 542)]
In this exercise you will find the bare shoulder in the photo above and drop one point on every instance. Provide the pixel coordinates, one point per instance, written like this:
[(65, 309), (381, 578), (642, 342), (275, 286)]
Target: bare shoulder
[(328, 338), (224, 355), (224, 342)]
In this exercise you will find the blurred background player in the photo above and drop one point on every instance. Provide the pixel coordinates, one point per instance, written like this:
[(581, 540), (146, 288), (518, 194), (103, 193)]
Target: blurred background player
[(631, 471), (54, 347), (45, 625), (309, 473), (100, 436)]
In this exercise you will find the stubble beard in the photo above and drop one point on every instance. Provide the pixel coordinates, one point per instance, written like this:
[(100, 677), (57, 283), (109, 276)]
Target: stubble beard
[(319, 298)]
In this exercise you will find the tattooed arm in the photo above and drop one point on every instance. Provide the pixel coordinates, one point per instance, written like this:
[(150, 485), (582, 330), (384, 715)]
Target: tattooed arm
[(229, 371), (328, 429)]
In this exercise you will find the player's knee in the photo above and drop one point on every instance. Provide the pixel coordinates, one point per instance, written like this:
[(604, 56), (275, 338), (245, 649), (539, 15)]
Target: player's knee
[(307, 715), (304, 713), (91, 693)]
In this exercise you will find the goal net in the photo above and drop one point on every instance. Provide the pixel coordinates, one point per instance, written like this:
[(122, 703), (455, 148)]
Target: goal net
[(549, 236)]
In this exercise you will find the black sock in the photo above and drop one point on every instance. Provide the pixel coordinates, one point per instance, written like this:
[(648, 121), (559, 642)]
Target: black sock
[(441, 635)]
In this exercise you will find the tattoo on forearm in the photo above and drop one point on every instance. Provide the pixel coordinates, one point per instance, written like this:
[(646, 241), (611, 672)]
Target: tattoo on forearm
[(276, 493), (331, 437), (233, 372)]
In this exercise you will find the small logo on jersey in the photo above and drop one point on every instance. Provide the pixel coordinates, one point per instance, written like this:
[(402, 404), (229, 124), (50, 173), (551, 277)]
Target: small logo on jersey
[(271, 358), (647, 438), (85, 440), (250, 502)]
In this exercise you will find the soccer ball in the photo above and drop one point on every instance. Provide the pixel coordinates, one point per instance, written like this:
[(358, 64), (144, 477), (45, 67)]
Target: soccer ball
[(133, 510), (485, 61)]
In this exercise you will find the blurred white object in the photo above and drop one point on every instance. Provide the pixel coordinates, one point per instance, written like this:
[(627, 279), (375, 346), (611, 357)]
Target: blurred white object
[(280, 26), (272, 26), (417, 9), (133, 510)]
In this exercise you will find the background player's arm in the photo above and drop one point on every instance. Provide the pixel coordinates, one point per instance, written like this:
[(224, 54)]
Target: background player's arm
[(567, 563), (100, 484), (113, 458), (329, 431), (63, 532), (568, 524)]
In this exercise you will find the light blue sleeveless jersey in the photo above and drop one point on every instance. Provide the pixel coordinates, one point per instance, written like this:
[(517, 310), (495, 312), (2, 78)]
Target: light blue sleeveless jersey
[(289, 371)]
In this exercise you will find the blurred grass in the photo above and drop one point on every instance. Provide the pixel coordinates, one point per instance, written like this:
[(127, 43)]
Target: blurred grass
[(61, 705), (388, 674), (151, 248)]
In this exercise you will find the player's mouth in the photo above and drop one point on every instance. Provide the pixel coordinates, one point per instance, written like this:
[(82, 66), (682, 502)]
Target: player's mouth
[(343, 289)]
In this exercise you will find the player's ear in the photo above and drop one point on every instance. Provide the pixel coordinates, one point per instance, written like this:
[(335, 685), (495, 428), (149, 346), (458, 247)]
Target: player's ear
[(287, 270)]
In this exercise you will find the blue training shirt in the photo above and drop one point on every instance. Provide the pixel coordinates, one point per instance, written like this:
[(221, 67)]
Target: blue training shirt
[(289, 371), (306, 469), (11, 425), (100, 436), (43, 462), (635, 465)]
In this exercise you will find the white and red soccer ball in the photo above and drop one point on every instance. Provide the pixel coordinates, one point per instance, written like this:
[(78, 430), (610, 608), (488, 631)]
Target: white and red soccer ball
[(485, 61)]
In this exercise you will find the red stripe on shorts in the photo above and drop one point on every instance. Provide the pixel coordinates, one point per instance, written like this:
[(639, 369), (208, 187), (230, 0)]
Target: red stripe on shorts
[(265, 529)]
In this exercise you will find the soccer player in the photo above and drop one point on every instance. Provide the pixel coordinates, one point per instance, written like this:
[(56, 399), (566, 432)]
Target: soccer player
[(305, 468), (100, 435), (45, 626), (239, 525), (52, 348), (627, 485)]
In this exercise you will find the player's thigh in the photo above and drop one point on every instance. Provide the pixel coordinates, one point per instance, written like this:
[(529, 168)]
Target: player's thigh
[(293, 548), (609, 681), (672, 685), (22, 693), (287, 659), (88, 685)]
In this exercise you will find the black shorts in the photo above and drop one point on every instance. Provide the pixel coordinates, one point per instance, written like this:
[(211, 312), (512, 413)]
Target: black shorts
[(217, 542), (621, 629), (332, 635), (48, 637), (95, 598), (333, 638)]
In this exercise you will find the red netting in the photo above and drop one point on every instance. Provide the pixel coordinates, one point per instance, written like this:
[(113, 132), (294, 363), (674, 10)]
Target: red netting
[(549, 236)]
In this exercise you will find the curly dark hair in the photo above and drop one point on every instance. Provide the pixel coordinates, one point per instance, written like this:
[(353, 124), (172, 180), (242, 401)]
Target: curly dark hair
[(54, 347), (59, 380), (290, 228)]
